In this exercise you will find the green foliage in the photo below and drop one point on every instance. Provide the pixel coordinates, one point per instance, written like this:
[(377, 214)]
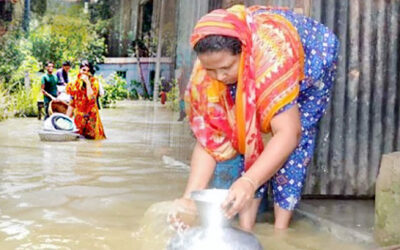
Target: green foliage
[(115, 89), (137, 90), (145, 47), (102, 10), (57, 34), (11, 55), (67, 8), (173, 96), (20, 102), (73, 73), (39, 7), (134, 89), (24, 102), (16, 61), (102, 27), (29, 64), (60, 37), (101, 15), (4, 103), (109, 98)]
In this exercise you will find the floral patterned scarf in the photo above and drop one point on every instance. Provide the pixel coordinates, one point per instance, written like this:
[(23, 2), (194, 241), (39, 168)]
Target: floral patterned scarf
[(271, 67)]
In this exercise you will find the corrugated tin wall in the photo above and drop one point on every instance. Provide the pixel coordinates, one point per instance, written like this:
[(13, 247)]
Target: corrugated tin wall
[(363, 120), (189, 12)]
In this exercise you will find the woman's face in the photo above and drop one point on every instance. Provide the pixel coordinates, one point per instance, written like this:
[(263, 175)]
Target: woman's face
[(85, 70), (221, 65)]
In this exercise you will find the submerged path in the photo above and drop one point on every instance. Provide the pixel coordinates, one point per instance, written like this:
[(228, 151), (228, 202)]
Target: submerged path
[(110, 194), (89, 194)]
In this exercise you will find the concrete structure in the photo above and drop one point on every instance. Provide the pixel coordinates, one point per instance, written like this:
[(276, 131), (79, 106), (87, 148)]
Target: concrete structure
[(387, 201), (129, 68), (349, 220)]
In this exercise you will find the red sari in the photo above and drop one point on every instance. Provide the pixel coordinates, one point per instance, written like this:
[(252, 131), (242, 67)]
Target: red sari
[(86, 111)]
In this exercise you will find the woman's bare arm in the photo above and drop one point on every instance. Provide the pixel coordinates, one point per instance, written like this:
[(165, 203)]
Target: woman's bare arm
[(286, 133), (70, 111), (201, 170)]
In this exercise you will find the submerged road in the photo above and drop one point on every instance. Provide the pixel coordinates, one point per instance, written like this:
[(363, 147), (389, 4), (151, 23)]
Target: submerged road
[(89, 194), (109, 194)]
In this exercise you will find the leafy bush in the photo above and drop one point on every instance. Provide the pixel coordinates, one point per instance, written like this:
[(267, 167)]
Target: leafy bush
[(11, 55), (39, 7), (27, 67), (173, 96), (24, 102), (15, 99), (136, 90), (102, 10), (115, 89), (4, 103), (19, 102)]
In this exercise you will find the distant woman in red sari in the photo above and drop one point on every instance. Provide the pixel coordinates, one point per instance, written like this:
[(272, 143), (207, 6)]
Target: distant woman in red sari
[(83, 104)]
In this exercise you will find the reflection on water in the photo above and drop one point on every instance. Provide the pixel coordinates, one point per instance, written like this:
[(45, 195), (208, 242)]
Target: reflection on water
[(111, 194), (155, 233)]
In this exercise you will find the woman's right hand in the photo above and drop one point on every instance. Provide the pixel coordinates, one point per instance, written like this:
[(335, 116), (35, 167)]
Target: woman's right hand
[(184, 214)]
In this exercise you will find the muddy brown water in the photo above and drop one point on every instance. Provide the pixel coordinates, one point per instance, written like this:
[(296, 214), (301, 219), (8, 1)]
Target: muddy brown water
[(111, 194)]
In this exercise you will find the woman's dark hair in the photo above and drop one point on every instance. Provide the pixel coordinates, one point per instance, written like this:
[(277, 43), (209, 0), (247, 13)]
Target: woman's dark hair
[(86, 63), (216, 43)]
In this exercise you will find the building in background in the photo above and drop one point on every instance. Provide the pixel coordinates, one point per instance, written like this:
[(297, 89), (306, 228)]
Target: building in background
[(363, 120)]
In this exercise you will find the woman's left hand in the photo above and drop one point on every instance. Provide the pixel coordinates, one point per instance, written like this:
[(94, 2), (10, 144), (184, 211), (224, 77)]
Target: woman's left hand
[(85, 78), (240, 194)]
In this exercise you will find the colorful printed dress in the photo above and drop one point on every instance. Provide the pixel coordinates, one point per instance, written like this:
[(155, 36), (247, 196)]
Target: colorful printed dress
[(86, 111), (287, 59)]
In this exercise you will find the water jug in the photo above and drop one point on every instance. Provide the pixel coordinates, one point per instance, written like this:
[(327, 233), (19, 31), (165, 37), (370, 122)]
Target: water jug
[(215, 230)]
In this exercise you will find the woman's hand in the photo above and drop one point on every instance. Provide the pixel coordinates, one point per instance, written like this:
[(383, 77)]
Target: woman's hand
[(85, 78), (89, 90), (184, 214), (240, 194)]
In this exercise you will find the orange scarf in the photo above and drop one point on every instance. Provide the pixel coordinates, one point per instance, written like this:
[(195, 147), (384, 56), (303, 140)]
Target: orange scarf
[(271, 66)]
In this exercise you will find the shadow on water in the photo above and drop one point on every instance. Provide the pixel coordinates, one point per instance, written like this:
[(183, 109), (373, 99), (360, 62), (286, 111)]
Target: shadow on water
[(111, 194)]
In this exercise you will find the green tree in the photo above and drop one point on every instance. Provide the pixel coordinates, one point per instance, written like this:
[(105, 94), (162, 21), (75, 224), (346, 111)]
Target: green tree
[(102, 10), (39, 7), (60, 37), (11, 55)]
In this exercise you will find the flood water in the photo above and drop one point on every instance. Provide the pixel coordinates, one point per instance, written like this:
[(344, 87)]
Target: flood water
[(110, 194)]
